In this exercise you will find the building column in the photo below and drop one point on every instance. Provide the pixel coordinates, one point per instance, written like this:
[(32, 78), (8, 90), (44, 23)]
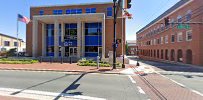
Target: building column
[(79, 39), (35, 37), (83, 40), (62, 39), (43, 40), (56, 39), (103, 38)]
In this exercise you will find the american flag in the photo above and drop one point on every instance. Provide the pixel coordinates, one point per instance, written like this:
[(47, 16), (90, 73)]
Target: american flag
[(23, 19)]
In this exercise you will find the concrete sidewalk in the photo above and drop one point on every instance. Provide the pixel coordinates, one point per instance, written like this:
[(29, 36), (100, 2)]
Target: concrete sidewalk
[(12, 98), (57, 67)]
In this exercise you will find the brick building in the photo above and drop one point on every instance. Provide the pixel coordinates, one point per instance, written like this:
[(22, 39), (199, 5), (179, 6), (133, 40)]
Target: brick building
[(132, 48), (174, 42), (79, 30)]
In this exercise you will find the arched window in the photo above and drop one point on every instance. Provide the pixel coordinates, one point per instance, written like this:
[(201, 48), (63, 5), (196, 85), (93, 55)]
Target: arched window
[(172, 55), (180, 55), (189, 56), (157, 53), (162, 54), (166, 54)]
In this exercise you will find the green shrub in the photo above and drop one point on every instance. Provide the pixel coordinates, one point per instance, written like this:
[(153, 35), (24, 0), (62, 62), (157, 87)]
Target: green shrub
[(17, 61), (91, 62)]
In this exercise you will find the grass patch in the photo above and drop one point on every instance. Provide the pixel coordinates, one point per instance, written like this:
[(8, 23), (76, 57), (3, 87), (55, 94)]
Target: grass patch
[(17, 61)]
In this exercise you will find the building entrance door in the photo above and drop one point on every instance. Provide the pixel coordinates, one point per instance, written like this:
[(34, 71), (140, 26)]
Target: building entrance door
[(73, 51)]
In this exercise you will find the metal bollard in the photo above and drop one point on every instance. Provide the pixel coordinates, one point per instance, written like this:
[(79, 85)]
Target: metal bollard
[(98, 60), (61, 60), (40, 60), (70, 60), (50, 60)]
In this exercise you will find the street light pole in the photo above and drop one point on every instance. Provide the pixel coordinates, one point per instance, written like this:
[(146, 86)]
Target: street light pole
[(114, 39)]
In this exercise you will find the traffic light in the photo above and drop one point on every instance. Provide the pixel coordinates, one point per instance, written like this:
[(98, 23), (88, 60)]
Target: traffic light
[(127, 4), (118, 41), (166, 21)]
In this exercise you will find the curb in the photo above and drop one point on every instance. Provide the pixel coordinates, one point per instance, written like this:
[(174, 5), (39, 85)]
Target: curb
[(62, 71), (180, 73)]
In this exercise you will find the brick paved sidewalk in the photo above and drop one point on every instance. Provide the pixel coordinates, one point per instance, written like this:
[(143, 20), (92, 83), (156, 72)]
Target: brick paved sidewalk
[(158, 87), (12, 98), (58, 67), (169, 89)]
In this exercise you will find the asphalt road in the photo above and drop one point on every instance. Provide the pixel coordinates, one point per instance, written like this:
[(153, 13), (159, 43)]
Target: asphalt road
[(190, 81), (170, 66), (111, 87)]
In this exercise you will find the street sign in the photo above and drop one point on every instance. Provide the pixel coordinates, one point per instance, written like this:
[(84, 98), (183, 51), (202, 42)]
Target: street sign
[(183, 26), (67, 44)]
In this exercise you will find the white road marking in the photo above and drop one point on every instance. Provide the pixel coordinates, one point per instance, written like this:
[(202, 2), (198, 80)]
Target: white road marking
[(128, 71), (140, 90), (41, 95), (194, 91), (197, 92), (178, 83), (132, 80)]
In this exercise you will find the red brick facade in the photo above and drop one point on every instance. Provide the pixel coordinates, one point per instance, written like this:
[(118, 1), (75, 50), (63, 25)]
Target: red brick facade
[(165, 43), (100, 8)]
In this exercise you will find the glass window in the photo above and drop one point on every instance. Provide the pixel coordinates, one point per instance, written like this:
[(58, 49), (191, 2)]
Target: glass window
[(93, 10), (79, 11), (93, 28), (50, 49), (189, 35), (88, 10), (57, 12), (50, 30), (158, 41), (41, 12), (162, 27), (172, 38), (166, 39), (154, 41), (109, 11), (60, 12), (180, 37), (91, 49), (6, 43), (3, 49), (73, 11), (15, 43), (188, 15), (162, 39), (172, 22), (179, 18), (68, 11), (71, 31)]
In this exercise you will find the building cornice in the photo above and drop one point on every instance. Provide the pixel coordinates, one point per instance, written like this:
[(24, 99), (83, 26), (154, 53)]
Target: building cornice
[(155, 21), (81, 4)]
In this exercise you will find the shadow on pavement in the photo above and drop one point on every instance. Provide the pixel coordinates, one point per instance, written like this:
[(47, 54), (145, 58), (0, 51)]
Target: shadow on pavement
[(170, 67), (73, 86), (14, 93)]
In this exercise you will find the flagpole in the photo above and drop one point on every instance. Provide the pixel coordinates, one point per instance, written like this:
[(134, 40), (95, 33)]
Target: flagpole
[(17, 36)]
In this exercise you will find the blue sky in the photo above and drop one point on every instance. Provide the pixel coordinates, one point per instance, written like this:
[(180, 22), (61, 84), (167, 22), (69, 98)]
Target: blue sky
[(143, 12)]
